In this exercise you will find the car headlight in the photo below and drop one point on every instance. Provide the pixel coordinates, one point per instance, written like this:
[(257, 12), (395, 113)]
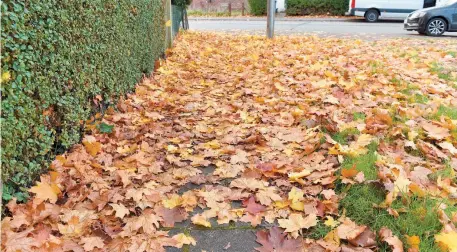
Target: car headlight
[(418, 14)]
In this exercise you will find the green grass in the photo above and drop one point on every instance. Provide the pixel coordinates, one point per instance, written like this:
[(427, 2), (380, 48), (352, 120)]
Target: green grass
[(420, 218), (409, 89), (452, 53), (317, 232), (364, 163), (440, 71), (447, 172), (419, 98), (445, 111), (343, 136), (358, 116), (395, 81)]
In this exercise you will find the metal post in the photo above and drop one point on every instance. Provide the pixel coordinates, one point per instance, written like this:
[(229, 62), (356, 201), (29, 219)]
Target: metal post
[(230, 9), (168, 25), (271, 9), (242, 9)]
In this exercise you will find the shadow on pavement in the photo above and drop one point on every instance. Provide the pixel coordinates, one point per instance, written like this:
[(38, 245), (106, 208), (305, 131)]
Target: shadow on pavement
[(380, 21)]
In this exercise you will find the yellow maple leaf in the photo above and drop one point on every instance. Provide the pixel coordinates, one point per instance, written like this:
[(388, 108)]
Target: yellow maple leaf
[(183, 239), (330, 222), (172, 202), (45, 191), (91, 145), (447, 240), (332, 237), (296, 198), (201, 220)]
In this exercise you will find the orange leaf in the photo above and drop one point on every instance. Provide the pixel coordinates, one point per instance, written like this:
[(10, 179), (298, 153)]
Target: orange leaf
[(45, 191), (349, 173), (92, 146)]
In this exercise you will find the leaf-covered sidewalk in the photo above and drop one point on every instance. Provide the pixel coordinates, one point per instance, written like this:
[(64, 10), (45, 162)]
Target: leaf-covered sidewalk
[(321, 144)]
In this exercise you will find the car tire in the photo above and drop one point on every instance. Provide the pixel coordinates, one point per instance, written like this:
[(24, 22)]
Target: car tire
[(436, 27), (372, 15)]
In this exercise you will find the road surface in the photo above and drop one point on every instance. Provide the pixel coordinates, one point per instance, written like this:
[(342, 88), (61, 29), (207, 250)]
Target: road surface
[(332, 28)]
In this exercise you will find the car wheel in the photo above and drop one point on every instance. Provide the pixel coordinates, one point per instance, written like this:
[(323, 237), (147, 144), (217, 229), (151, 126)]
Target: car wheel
[(436, 27), (372, 15)]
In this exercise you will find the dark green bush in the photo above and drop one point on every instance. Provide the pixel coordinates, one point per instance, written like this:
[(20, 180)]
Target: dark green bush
[(57, 56), (258, 7), (182, 3), (317, 7)]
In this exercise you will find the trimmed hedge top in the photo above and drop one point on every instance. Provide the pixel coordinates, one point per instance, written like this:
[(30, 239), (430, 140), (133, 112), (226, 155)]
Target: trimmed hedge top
[(317, 7), (57, 57)]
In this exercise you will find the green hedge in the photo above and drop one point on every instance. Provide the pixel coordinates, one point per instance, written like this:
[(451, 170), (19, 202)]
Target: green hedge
[(57, 56), (317, 7), (258, 7)]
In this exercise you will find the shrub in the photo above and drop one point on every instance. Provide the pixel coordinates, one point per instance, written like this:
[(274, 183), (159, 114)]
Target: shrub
[(317, 7), (58, 56), (258, 7)]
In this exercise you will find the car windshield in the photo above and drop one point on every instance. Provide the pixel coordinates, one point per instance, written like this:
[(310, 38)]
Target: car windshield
[(450, 2)]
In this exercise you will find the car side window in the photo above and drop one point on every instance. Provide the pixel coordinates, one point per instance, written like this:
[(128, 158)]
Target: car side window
[(429, 3)]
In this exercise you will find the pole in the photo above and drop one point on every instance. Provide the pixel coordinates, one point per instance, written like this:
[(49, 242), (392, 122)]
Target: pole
[(168, 25), (271, 9), (242, 9)]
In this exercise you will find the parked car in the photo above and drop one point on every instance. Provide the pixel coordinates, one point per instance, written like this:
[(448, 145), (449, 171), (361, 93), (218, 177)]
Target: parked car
[(373, 10), (434, 21)]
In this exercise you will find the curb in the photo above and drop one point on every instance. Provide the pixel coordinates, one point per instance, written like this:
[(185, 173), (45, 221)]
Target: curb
[(277, 19)]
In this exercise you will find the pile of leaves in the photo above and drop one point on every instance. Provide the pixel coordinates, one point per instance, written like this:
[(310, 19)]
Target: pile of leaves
[(269, 119)]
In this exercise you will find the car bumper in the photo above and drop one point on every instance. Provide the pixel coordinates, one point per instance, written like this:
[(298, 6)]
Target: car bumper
[(414, 24)]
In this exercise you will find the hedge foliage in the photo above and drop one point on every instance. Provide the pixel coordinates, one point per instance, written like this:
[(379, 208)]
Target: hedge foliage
[(258, 7), (317, 7), (57, 57)]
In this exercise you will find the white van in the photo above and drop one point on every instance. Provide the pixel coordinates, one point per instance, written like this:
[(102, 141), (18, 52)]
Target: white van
[(373, 10)]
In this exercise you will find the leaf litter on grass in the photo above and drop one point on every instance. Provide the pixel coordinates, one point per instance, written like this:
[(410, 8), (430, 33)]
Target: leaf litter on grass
[(292, 127)]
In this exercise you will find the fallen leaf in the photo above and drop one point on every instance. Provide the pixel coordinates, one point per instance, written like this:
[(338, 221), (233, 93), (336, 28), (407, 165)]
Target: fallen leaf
[(183, 239), (45, 191), (387, 236), (89, 243), (296, 223)]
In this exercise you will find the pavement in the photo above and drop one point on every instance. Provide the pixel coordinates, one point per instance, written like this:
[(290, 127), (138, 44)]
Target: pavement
[(327, 27)]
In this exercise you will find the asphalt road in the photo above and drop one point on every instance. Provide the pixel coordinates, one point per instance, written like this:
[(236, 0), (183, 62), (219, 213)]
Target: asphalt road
[(328, 28)]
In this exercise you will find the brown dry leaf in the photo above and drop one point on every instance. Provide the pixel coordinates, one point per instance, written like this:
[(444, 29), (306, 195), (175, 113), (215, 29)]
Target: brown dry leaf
[(89, 243), (435, 131), (348, 230), (120, 210), (208, 107), (275, 240), (386, 235), (296, 223), (18, 241), (366, 239)]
